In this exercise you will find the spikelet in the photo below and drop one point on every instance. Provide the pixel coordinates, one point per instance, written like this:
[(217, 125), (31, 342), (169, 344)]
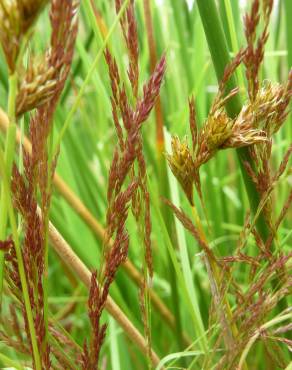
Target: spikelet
[(182, 166), (222, 132), (244, 132), (271, 105), (16, 17), (45, 77), (217, 129), (256, 42), (37, 85)]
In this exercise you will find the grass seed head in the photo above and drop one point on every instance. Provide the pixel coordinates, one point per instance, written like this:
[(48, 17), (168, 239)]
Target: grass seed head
[(44, 79), (16, 18), (182, 166), (37, 85), (271, 105), (217, 130)]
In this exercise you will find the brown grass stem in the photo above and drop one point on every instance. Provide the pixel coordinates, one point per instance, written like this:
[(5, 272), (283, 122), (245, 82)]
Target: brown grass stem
[(74, 263)]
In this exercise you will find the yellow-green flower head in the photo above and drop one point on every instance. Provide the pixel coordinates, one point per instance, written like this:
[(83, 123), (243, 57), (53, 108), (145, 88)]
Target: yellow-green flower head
[(217, 130), (182, 166)]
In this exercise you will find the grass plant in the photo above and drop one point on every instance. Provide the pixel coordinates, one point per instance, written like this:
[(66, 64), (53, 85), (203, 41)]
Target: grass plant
[(145, 184)]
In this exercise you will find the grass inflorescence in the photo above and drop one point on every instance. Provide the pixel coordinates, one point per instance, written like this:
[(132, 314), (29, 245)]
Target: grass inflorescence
[(145, 194)]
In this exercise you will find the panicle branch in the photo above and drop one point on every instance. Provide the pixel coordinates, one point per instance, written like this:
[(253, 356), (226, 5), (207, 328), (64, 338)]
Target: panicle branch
[(263, 114), (128, 164), (256, 46), (40, 87)]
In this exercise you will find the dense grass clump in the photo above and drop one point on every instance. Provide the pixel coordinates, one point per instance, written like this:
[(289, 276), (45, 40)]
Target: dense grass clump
[(146, 190)]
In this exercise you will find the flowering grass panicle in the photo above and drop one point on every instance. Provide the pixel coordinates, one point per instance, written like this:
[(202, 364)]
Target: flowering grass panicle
[(34, 185), (219, 278), (132, 113), (263, 114)]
